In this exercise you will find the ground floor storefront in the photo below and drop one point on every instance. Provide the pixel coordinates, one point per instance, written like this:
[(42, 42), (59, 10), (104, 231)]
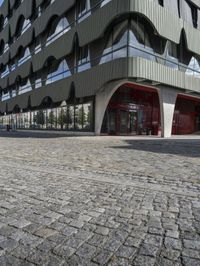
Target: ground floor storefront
[(68, 117), (131, 110), (135, 111)]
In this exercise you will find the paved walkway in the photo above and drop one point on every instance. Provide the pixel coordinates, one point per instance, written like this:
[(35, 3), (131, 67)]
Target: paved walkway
[(99, 200)]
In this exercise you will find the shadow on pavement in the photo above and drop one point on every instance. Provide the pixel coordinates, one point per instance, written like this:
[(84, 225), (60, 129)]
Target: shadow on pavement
[(183, 147), (34, 134)]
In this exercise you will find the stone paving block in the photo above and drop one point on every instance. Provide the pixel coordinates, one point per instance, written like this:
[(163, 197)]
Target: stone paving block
[(102, 230), (97, 240), (103, 257), (45, 232), (153, 240), (113, 244), (126, 252), (191, 253), (86, 251), (21, 251), (117, 261), (77, 224), (69, 231), (31, 240), (74, 242), (38, 257), (64, 251), (170, 254), (99, 204), (190, 262), (8, 244), (144, 261), (148, 250), (21, 223), (167, 262), (191, 244), (172, 243)]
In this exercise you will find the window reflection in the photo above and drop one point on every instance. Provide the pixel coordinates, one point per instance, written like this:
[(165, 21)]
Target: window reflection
[(193, 68), (61, 72), (78, 117), (172, 56), (83, 59), (105, 2), (61, 28), (84, 10), (128, 38)]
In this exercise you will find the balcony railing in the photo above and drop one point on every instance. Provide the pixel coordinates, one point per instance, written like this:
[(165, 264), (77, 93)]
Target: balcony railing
[(126, 51)]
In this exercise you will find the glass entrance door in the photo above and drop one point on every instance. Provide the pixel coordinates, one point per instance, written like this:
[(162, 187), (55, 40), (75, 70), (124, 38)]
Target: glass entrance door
[(133, 120), (124, 122), (112, 122)]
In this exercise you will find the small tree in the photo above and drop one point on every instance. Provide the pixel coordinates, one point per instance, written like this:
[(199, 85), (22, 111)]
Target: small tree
[(62, 118), (51, 118), (69, 116), (39, 118), (81, 116), (89, 117)]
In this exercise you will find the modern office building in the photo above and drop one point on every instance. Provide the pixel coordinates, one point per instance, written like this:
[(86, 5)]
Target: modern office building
[(101, 66)]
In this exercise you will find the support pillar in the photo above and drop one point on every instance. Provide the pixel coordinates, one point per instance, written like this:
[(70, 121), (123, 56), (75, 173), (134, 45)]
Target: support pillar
[(101, 103), (167, 97), (102, 100)]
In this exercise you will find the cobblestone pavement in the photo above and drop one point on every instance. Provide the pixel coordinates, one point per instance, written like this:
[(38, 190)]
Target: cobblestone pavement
[(99, 201)]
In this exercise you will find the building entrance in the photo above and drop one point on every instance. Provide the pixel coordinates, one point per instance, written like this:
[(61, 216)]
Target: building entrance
[(132, 112), (186, 116), (128, 122), (122, 122)]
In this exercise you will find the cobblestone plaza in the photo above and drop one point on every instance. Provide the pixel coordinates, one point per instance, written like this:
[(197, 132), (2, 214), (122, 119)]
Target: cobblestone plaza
[(99, 200)]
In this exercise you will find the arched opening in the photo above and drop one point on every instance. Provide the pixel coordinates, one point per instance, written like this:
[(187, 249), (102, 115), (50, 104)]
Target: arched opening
[(132, 37), (58, 28), (22, 26), (132, 110), (187, 115), (58, 71)]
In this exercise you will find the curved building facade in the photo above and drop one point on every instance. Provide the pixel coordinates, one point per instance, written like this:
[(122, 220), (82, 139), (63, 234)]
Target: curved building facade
[(101, 66)]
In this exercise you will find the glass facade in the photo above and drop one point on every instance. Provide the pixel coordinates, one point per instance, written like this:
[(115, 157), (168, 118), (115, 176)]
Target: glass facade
[(134, 110), (72, 117)]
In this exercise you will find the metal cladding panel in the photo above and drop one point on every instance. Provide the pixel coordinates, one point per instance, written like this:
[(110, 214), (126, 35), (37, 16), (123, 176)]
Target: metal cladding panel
[(4, 82), (161, 18), (172, 5), (5, 34), (196, 2), (156, 72), (55, 9), (4, 58), (198, 22), (145, 69), (98, 76), (21, 101), (58, 91), (193, 38), (23, 41), (12, 3), (100, 20), (62, 47), (4, 9), (192, 83), (22, 71), (185, 12), (3, 107), (25, 10), (39, 2)]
